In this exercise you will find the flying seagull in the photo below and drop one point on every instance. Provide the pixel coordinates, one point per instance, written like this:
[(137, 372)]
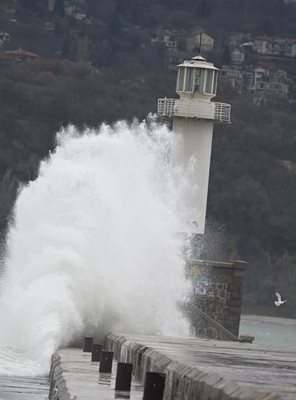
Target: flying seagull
[(279, 300)]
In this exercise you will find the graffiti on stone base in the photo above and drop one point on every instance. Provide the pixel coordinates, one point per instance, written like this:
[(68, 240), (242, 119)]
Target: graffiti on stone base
[(205, 286), (202, 286)]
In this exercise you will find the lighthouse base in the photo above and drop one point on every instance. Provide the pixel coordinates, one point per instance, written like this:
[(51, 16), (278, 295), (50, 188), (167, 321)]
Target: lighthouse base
[(217, 293)]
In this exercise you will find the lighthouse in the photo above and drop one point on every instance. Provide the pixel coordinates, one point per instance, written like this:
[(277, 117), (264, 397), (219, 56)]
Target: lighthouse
[(194, 114), (215, 303)]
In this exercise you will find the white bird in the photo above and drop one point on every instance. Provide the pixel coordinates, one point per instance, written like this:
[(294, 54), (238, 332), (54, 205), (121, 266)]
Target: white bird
[(279, 300)]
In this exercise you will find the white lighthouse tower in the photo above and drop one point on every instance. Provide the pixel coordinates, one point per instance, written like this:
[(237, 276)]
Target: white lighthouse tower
[(193, 117)]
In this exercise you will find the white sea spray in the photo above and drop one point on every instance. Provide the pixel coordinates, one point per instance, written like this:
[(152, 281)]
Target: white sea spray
[(93, 246)]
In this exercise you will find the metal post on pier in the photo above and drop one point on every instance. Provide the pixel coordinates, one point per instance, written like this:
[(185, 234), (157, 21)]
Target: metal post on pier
[(106, 362), (96, 351), (87, 344), (123, 380), (154, 386)]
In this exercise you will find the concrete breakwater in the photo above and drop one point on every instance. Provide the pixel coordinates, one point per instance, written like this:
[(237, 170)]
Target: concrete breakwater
[(204, 369), (195, 369)]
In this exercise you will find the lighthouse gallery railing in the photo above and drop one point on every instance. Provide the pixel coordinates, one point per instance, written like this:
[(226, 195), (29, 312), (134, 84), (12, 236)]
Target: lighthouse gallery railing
[(219, 112)]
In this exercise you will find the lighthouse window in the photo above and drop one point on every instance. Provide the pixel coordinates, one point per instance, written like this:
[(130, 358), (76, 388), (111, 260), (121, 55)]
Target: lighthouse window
[(209, 81), (180, 83), (189, 80), (215, 82), (197, 80)]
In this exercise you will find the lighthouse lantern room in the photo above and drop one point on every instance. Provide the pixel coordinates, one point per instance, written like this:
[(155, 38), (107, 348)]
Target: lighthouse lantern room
[(196, 77)]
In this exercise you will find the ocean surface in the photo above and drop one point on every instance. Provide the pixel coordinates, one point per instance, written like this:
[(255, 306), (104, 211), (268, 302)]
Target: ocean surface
[(270, 332)]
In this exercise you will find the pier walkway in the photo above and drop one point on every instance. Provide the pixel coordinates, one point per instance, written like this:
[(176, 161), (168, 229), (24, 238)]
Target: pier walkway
[(196, 369)]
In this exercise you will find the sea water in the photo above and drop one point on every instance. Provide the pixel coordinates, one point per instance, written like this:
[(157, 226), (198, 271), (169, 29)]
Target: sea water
[(271, 332), (93, 246)]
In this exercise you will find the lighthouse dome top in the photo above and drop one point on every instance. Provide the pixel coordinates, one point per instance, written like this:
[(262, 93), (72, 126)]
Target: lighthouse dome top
[(198, 78), (198, 62)]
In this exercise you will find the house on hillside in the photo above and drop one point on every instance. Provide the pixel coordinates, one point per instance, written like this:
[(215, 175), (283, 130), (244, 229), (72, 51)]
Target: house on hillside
[(273, 46), (200, 40), (170, 43), (18, 55), (264, 81), (269, 82), (237, 56), (166, 38)]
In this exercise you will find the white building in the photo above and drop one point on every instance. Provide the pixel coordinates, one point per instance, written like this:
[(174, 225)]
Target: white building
[(269, 83), (237, 56), (272, 46)]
